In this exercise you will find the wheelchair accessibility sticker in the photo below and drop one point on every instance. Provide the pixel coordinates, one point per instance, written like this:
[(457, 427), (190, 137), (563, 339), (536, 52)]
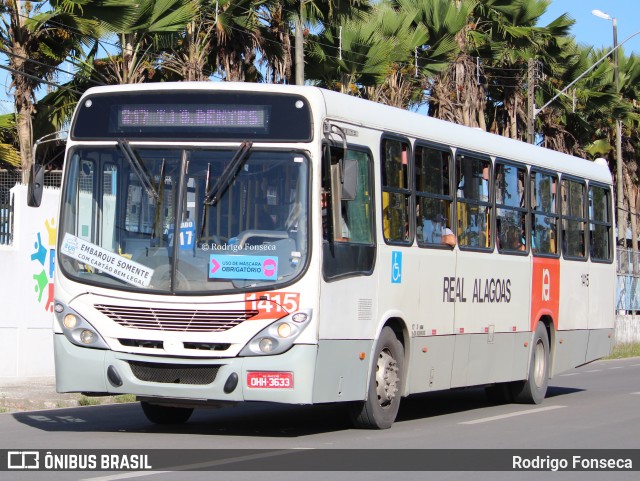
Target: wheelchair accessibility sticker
[(396, 267)]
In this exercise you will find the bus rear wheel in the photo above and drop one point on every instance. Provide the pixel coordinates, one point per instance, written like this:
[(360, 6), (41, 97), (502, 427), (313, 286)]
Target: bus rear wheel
[(534, 389), (380, 409), (159, 414)]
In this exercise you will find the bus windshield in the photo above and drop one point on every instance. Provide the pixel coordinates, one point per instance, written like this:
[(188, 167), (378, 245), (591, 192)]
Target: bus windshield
[(143, 218)]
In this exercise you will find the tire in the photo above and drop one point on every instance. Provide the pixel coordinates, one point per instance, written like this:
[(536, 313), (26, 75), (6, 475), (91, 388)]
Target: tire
[(380, 409), (499, 393), (534, 389), (159, 414)]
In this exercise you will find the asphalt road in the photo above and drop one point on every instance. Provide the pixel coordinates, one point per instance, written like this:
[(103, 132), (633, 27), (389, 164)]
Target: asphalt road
[(596, 406)]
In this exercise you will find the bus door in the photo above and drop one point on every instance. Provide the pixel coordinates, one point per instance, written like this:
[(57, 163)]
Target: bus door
[(601, 252), (601, 279), (438, 287), (348, 293), (494, 264)]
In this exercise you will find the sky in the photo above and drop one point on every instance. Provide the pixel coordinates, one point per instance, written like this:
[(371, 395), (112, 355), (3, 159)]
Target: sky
[(598, 32), (588, 29)]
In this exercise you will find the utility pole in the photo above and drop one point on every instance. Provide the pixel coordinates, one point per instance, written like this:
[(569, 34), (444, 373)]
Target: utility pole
[(531, 100), (622, 226), (622, 217), (299, 45)]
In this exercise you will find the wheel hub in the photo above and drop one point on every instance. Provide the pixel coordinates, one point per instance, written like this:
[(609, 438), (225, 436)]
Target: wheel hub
[(386, 378)]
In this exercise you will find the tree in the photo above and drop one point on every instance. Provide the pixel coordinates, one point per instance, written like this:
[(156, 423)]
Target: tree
[(362, 57), (190, 59), (9, 155), (35, 43), (140, 31), (305, 16), (240, 35)]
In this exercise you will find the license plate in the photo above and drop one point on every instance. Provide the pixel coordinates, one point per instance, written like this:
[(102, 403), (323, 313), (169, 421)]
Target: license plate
[(270, 380)]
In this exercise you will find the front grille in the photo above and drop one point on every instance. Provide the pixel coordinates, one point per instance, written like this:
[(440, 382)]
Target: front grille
[(200, 346), (187, 320), (174, 373)]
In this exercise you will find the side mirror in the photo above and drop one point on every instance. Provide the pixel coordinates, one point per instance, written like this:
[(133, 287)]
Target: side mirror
[(36, 185)]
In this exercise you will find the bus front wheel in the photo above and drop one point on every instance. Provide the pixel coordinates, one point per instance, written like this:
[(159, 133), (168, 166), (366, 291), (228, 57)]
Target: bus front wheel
[(159, 414), (534, 389), (380, 409)]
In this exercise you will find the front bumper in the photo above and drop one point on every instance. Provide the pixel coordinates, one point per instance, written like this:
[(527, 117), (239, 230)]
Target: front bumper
[(80, 369)]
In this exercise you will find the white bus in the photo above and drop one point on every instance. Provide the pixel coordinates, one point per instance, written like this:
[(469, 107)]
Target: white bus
[(221, 243)]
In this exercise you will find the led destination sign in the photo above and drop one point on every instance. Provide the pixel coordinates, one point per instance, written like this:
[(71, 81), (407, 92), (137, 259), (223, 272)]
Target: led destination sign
[(231, 116), (193, 115)]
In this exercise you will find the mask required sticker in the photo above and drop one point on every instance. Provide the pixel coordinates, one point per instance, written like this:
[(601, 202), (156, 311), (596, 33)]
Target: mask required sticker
[(106, 261), (263, 268)]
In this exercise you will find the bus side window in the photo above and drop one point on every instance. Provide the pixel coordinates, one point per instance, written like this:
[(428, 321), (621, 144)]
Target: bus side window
[(600, 226), (544, 216), (573, 219), (511, 212), (347, 214), (473, 201), (395, 191), (433, 197)]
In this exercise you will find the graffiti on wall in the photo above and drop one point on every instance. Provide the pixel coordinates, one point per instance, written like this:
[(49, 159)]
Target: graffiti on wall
[(43, 260)]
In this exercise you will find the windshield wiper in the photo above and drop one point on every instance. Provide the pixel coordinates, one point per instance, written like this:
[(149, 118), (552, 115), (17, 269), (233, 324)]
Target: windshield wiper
[(138, 168), (229, 174)]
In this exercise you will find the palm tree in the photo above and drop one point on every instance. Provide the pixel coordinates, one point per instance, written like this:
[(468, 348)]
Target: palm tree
[(303, 17), (35, 44), (191, 59), (140, 31), (363, 57), (239, 37), (511, 42), (458, 93), (9, 155)]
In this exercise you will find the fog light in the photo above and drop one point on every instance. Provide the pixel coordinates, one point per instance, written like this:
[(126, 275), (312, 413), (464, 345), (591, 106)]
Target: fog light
[(88, 337), (284, 330), (299, 317), (70, 321), (267, 344)]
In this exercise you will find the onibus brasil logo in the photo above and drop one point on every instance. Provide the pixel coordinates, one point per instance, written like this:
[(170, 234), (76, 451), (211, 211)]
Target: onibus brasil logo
[(43, 260)]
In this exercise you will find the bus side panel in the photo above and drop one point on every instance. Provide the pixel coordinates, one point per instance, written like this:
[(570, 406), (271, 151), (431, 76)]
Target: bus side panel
[(490, 317), (438, 292), (460, 361), (569, 350), (487, 355), (341, 372), (489, 359), (602, 289), (574, 295), (347, 308), (497, 291), (600, 343), (431, 363)]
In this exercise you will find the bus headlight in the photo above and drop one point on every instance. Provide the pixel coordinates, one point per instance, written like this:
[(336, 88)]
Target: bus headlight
[(279, 336), (88, 337), (70, 321), (267, 344), (76, 329)]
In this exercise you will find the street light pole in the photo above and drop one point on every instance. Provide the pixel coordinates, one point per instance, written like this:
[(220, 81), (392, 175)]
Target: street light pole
[(622, 226)]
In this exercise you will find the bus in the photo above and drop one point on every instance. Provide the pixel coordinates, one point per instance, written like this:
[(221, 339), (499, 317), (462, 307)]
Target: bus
[(221, 243)]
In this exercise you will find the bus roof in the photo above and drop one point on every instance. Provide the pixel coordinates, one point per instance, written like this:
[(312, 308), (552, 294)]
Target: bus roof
[(360, 112)]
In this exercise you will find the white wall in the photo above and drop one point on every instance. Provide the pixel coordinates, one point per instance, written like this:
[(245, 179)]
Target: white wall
[(627, 328), (26, 288)]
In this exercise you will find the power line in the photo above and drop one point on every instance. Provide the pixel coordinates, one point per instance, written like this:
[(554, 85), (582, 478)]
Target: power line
[(27, 59), (33, 77)]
